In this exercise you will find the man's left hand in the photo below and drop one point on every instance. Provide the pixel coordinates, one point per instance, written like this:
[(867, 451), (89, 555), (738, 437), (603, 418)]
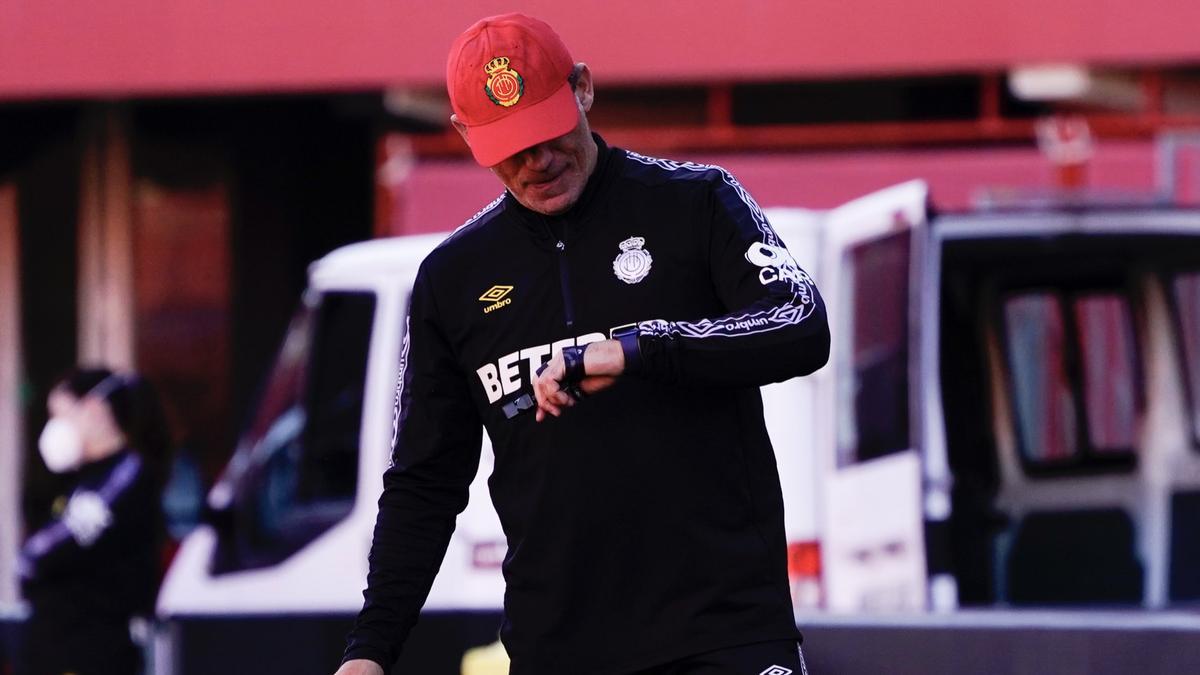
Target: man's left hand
[(602, 362)]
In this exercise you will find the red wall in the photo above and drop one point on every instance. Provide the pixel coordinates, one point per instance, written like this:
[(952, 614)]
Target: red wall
[(439, 195), (118, 47)]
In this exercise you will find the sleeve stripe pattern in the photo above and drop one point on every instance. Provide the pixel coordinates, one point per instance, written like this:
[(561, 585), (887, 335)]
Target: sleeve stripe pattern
[(121, 478), (404, 348), (399, 391), (480, 213), (41, 543), (790, 313), (491, 206), (46, 539)]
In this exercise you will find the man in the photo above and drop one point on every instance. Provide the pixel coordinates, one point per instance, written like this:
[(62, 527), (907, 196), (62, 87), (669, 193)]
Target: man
[(609, 320)]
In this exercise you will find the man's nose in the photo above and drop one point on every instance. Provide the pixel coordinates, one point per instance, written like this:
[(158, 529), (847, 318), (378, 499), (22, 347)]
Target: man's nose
[(538, 157)]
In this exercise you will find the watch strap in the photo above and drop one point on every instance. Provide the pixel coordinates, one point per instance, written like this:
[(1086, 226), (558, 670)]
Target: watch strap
[(573, 362), (631, 346)]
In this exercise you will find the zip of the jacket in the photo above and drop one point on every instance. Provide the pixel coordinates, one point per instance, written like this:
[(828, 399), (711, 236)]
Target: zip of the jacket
[(564, 278)]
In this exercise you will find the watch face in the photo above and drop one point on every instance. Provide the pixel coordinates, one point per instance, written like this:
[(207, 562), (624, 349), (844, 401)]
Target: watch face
[(623, 331)]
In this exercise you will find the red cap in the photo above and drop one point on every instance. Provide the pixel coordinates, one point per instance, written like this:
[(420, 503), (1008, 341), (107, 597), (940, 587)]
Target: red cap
[(507, 78)]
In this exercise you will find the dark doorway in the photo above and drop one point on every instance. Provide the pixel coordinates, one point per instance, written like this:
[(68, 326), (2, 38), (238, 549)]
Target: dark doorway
[(246, 193)]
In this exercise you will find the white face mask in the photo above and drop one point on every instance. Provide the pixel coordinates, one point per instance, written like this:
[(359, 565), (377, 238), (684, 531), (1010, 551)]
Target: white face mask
[(61, 446)]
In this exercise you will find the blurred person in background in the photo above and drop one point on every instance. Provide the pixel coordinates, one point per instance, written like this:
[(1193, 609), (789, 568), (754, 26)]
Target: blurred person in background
[(95, 566), (634, 476)]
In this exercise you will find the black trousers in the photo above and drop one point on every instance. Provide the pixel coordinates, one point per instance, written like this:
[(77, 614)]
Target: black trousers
[(50, 649), (763, 658)]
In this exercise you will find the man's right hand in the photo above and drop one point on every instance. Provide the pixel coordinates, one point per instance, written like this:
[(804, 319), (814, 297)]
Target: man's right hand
[(603, 362), (359, 667)]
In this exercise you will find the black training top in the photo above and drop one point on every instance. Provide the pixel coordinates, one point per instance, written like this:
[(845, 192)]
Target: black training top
[(96, 563), (646, 523)]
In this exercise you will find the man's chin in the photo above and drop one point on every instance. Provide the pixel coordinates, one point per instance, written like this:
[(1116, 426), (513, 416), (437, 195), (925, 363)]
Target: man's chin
[(551, 206)]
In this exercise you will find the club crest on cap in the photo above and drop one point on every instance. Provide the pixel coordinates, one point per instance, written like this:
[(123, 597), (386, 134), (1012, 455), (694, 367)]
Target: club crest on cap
[(504, 85)]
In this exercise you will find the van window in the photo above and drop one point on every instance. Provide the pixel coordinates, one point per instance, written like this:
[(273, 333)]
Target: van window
[(295, 471), (1186, 289), (1037, 352), (1108, 359), (873, 380), (1074, 369)]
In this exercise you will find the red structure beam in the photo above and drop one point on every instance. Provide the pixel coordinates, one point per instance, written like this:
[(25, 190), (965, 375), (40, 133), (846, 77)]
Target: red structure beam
[(826, 136), (156, 47)]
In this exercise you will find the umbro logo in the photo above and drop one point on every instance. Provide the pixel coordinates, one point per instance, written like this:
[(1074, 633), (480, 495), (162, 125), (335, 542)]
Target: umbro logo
[(496, 295), (776, 670)]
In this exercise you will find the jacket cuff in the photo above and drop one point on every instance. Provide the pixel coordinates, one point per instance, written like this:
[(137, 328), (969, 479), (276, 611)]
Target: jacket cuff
[(367, 652)]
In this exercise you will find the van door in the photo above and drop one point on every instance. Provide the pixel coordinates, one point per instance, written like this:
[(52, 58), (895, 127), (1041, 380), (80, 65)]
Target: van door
[(12, 443), (871, 517)]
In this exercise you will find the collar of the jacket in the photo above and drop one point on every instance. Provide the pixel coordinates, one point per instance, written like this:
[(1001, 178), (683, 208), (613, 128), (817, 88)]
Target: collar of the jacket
[(542, 226)]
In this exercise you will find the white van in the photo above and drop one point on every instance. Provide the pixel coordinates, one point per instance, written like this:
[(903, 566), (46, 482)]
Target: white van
[(1010, 419)]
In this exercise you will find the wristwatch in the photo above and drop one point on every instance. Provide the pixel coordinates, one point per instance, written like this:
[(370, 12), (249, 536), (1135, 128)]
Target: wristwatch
[(573, 364), (574, 372), (631, 347)]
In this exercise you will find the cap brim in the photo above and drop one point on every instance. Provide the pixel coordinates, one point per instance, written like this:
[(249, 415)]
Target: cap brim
[(549, 118)]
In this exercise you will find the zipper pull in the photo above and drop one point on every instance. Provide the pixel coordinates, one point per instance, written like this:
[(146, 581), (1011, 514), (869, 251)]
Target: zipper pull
[(561, 246)]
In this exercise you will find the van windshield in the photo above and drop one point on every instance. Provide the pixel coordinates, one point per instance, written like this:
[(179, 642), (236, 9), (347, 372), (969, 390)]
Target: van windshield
[(294, 473)]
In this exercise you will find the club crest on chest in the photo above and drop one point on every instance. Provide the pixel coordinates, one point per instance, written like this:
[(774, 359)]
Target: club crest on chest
[(633, 263)]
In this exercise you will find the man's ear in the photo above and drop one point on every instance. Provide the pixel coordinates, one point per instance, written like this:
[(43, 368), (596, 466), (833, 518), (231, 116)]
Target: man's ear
[(585, 94), (461, 129)]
